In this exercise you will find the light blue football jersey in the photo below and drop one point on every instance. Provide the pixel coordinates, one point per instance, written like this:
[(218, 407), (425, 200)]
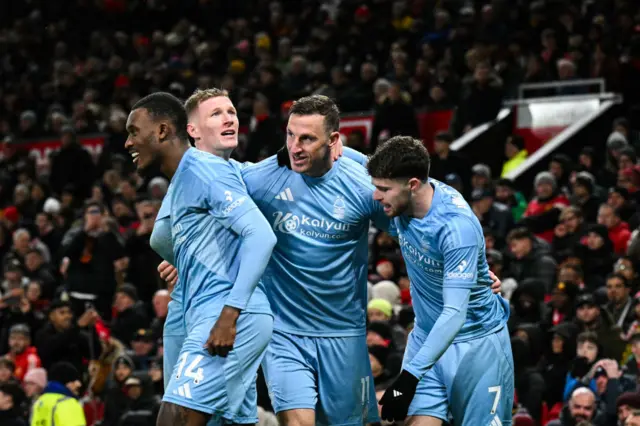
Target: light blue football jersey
[(207, 198), (317, 278), (446, 248)]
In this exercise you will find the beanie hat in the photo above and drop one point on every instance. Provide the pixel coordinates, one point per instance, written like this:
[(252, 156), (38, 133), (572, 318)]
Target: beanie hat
[(616, 141), (52, 206), (20, 329), (379, 352), (63, 372), (382, 305), (381, 328), (123, 359), (632, 399), (545, 177), (11, 214), (387, 290), (37, 376), (129, 290)]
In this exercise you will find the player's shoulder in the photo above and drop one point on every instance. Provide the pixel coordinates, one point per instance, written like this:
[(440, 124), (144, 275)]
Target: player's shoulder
[(354, 172), (262, 169), (452, 208), (206, 165)]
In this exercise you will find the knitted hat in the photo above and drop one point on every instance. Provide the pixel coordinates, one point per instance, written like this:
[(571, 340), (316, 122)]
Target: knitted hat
[(382, 305), (129, 290), (381, 328), (20, 329), (545, 177), (37, 376), (481, 170), (63, 372), (387, 290), (616, 141), (123, 359), (632, 399)]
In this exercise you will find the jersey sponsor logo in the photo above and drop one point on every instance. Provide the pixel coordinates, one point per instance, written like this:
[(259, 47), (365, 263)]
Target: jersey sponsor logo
[(237, 203), (289, 223), (418, 257), (285, 195), (460, 274)]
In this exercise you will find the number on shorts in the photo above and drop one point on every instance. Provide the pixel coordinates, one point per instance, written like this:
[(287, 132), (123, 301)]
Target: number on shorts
[(198, 375), (365, 390), (497, 390)]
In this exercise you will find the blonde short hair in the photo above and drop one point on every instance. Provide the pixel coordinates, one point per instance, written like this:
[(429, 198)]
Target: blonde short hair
[(199, 96)]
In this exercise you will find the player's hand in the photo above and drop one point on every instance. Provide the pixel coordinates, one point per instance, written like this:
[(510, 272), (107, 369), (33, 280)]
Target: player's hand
[(223, 333), (496, 287), (168, 273), (283, 157), (336, 150), (396, 400)]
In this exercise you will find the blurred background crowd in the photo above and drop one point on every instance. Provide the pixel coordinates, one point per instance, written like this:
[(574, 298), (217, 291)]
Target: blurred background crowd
[(82, 306)]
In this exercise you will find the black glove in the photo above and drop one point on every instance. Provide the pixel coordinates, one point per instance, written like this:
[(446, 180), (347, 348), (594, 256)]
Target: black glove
[(396, 400), (283, 157)]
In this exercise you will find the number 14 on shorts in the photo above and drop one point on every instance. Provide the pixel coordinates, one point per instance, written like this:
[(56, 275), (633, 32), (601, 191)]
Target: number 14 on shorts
[(196, 375)]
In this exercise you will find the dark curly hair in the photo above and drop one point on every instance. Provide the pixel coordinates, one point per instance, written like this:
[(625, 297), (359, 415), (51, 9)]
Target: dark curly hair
[(401, 157)]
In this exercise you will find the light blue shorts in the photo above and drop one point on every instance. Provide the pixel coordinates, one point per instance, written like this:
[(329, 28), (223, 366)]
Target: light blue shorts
[(331, 375), (472, 381), (222, 387)]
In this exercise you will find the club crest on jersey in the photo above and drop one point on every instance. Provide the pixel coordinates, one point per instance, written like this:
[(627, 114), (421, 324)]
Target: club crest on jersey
[(458, 202), (339, 208)]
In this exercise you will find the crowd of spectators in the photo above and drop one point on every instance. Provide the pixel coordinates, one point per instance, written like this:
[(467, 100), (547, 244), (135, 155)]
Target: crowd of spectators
[(82, 305)]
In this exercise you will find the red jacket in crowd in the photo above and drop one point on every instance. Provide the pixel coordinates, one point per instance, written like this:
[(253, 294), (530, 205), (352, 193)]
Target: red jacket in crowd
[(539, 208), (619, 236), (26, 361)]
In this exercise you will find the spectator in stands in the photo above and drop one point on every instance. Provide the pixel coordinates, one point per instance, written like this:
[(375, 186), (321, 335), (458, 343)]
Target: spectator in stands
[(131, 315), (530, 258), (596, 255), (561, 307), (382, 310), (115, 398), (21, 352), (61, 338), (445, 161), (7, 370), (568, 233), (583, 196), (483, 98), (58, 404), (626, 404), (142, 404), (619, 199), (160, 308), (620, 304), (382, 378), (72, 165), (527, 303), (507, 194), (543, 211), (515, 152), (143, 349), (580, 408), (34, 383), (395, 116), (11, 400), (266, 136), (590, 317), (529, 383), (480, 177), (92, 252), (619, 233), (557, 360), (495, 216)]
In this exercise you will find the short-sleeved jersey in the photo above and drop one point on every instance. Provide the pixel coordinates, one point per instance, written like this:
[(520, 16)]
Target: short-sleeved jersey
[(317, 278), (207, 198), (446, 248)]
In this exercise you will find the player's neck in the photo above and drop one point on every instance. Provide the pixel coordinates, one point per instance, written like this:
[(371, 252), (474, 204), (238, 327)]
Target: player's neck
[(174, 154), (421, 202), (322, 168)]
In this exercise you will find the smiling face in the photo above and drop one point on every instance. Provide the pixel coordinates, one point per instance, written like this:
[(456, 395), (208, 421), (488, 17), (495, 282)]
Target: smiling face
[(214, 125), (310, 144), (142, 142)]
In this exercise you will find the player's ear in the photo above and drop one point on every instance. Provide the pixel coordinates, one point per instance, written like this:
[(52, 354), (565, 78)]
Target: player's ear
[(164, 131), (414, 184), (334, 137), (193, 131)]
